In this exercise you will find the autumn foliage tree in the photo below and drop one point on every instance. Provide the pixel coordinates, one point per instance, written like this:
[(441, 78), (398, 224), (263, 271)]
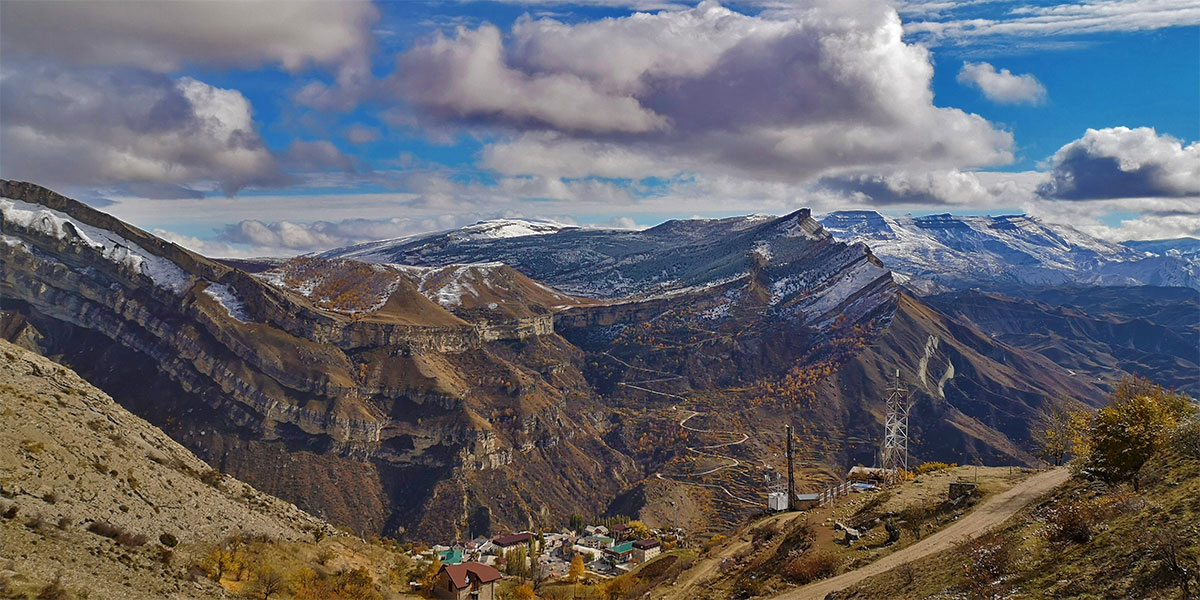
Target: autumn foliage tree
[(1137, 422), (1058, 430), (577, 568)]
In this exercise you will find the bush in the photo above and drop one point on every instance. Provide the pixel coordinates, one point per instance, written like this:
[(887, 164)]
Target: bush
[(133, 540), (106, 529), (212, 477), (9, 510), (987, 562), (168, 540), (54, 591), (930, 467), (1073, 521), (764, 533), (810, 567), (64, 522)]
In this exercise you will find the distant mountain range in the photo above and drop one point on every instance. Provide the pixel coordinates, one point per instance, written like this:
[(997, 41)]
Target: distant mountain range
[(507, 374), (939, 253)]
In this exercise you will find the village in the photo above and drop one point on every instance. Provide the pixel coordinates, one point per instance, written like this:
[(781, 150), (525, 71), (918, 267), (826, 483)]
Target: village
[(472, 569)]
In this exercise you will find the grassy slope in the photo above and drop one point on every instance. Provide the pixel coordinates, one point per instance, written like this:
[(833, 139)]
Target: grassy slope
[(754, 561), (70, 457), (1117, 562)]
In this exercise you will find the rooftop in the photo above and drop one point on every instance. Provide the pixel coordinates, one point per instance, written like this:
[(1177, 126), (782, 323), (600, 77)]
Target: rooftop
[(510, 540), (621, 548), (462, 575)]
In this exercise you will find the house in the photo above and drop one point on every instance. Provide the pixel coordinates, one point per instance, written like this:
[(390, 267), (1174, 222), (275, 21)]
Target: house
[(451, 557), (644, 550), (596, 530), (505, 542), (619, 554), (620, 531), (597, 541), (467, 581)]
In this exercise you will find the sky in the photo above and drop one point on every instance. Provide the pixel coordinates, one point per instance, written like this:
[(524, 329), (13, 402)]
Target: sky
[(278, 128)]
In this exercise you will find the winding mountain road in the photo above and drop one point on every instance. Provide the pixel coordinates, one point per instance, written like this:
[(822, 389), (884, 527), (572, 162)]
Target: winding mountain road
[(991, 513), (683, 424)]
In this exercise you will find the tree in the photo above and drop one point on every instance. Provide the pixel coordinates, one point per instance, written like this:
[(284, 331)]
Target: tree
[(524, 592), (577, 568), (616, 588), (515, 563), (638, 530), (429, 579), (269, 581), (1136, 423), (1059, 428)]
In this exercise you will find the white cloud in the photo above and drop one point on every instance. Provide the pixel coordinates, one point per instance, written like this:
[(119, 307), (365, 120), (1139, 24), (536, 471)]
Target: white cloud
[(103, 127), (164, 36), (318, 155), (1002, 86), (467, 76), (1120, 162), (1061, 19), (826, 90)]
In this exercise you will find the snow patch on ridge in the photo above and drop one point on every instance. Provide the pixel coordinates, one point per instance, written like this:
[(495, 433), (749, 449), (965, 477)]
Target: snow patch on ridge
[(112, 247), (225, 296)]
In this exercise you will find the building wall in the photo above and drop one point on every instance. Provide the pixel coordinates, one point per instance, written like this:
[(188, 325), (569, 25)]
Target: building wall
[(645, 555)]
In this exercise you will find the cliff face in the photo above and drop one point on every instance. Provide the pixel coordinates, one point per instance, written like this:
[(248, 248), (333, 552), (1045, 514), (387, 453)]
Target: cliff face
[(358, 416), (453, 397)]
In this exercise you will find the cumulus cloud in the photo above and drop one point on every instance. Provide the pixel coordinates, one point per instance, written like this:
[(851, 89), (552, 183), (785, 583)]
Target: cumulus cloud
[(1120, 162), (938, 188), (1002, 86), (164, 36), (467, 76), (120, 126), (825, 90)]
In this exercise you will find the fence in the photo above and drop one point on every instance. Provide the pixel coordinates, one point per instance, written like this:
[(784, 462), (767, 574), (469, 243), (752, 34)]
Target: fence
[(832, 492)]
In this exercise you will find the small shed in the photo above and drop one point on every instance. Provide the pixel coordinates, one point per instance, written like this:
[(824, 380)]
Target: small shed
[(807, 501)]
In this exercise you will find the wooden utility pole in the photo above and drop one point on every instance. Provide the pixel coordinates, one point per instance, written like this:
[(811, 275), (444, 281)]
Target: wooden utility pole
[(791, 475)]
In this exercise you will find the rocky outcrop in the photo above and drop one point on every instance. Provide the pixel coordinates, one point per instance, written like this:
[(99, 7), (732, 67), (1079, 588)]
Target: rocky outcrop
[(266, 371)]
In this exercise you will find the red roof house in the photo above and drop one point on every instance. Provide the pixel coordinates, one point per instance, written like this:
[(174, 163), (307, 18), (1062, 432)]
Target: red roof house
[(467, 581)]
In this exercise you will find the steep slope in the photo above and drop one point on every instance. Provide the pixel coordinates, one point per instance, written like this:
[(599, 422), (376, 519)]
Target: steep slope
[(71, 458), (1185, 246), (366, 409), (497, 383), (941, 252), (1097, 339)]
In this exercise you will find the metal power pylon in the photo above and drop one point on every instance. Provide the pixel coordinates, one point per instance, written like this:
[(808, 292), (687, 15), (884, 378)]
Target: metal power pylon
[(895, 428)]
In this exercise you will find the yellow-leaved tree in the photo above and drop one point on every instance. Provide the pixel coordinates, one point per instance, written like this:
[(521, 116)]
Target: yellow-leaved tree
[(577, 568), (1137, 422)]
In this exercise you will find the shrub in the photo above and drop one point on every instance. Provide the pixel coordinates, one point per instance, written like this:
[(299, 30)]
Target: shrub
[(930, 467), (212, 477), (106, 529), (764, 533), (9, 510), (987, 562), (1073, 521), (54, 591), (64, 522), (36, 523), (168, 540), (132, 540), (50, 497), (810, 567)]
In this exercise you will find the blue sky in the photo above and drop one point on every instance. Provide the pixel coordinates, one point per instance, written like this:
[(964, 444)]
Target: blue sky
[(274, 128)]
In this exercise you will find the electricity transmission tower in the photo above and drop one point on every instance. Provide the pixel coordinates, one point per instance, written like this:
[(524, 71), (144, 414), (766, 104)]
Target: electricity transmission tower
[(895, 428)]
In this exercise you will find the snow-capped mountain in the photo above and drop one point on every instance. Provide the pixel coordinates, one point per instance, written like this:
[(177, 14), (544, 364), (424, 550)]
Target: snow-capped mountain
[(934, 253), (790, 261), (1184, 246)]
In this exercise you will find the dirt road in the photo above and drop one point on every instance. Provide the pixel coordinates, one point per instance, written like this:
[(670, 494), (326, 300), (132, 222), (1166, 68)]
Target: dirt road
[(991, 513)]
